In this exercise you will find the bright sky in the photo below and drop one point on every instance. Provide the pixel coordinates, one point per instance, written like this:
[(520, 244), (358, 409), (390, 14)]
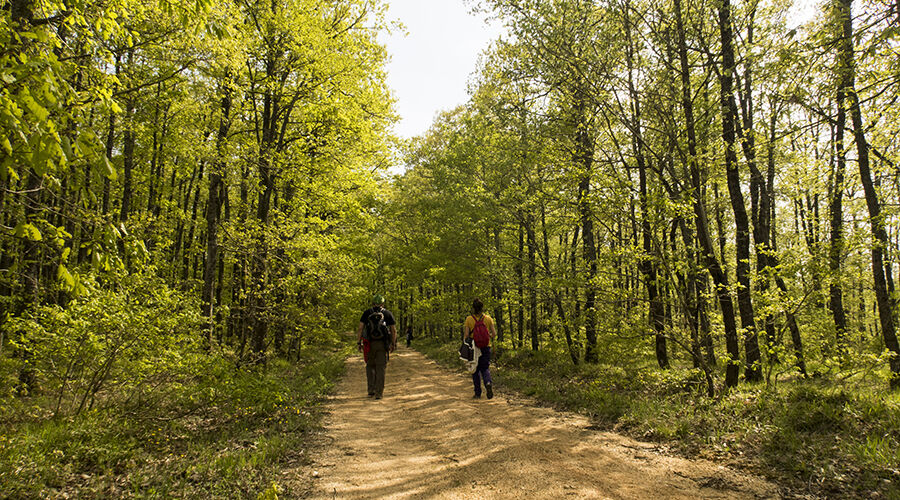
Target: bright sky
[(431, 65)]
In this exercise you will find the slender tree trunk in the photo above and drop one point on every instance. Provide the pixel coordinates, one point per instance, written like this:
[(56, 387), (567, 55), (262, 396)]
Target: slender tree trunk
[(520, 310), (497, 292), (753, 370), (701, 221), (154, 178), (128, 140), (213, 209), (720, 225), (532, 282), (876, 218), (760, 197), (110, 137), (796, 339), (573, 351), (188, 242), (836, 250), (584, 158), (575, 295), (656, 311)]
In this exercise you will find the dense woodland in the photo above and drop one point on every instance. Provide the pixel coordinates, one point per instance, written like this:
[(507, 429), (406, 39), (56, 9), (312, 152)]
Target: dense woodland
[(200, 189), (185, 198), (217, 156), (689, 182)]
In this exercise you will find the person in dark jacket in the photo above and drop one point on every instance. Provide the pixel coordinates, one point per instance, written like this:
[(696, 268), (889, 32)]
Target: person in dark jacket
[(376, 352)]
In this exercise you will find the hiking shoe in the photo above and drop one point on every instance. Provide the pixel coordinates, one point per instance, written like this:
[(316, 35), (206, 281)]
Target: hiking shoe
[(378, 396), (490, 390), (476, 396), (371, 394)]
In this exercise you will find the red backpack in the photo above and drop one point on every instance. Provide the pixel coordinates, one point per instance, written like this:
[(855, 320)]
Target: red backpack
[(480, 333)]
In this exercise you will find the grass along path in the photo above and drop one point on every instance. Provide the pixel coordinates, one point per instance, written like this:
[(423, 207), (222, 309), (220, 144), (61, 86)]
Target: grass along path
[(226, 434), (429, 438)]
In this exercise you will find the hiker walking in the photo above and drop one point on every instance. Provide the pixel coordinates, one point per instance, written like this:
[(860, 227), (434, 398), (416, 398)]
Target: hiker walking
[(377, 337), (480, 328), (408, 335)]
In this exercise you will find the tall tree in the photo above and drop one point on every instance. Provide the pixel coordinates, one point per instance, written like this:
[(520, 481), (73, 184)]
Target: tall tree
[(886, 313)]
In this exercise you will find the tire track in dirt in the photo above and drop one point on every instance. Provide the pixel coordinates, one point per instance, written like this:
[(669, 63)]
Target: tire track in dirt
[(429, 439)]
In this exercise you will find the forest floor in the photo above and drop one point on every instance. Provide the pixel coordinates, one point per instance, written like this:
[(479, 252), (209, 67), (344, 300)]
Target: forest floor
[(429, 438)]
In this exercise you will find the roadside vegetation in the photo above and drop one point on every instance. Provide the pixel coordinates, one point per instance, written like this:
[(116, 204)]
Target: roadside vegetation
[(191, 425)]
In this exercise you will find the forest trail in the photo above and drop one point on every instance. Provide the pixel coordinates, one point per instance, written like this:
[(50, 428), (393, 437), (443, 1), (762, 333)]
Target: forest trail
[(428, 438)]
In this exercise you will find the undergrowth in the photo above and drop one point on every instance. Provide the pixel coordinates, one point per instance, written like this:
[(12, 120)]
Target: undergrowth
[(225, 433), (810, 436)]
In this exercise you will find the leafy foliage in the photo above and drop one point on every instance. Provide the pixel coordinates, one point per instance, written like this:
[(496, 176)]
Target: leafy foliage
[(186, 193)]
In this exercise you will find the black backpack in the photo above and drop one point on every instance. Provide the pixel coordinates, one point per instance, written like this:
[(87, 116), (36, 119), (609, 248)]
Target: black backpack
[(376, 328), (466, 352)]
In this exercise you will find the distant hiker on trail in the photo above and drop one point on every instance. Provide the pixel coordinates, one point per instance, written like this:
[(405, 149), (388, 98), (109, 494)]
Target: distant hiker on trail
[(480, 327), (376, 336), (409, 335)]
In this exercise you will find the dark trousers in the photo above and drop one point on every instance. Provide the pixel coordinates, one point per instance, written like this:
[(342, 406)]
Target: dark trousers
[(482, 371), (375, 367)]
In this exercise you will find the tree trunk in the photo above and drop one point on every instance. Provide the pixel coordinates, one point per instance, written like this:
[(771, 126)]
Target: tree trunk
[(701, 221), (213, 209), (656, 313), (128, 140), (573, 351), (876, 218), (497, 292), (753, 370), (584, 158), (532, 282)]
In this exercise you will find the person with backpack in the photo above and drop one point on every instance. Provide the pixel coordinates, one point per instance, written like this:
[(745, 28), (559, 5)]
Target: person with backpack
[(409, 336), (480, 328), (377, 337)]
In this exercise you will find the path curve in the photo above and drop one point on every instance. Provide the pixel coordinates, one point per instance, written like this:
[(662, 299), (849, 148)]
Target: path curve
[(429, 439)]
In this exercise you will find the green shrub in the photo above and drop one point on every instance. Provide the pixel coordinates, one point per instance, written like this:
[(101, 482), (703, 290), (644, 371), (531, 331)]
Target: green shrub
[(121, 339)]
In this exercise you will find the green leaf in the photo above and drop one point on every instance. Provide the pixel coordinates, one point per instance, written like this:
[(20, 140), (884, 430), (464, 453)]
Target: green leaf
[(32, 232), (7, 170), (25, 230), (65, 278), (6, 145), (36, 109), (67, 148), (79, 288), (39, 162), (108, 169), (81, 142)]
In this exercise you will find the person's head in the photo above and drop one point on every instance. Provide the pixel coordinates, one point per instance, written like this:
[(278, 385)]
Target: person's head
[(377, 300), (477, 306)]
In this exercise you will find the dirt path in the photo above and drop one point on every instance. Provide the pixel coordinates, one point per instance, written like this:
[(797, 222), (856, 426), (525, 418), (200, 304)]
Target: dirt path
[(428, 438)]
